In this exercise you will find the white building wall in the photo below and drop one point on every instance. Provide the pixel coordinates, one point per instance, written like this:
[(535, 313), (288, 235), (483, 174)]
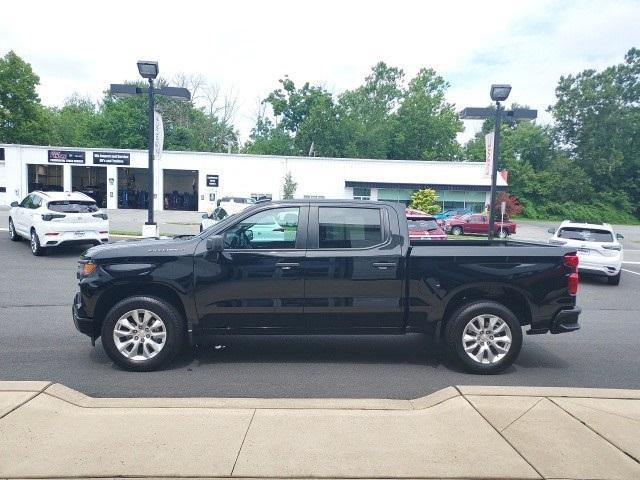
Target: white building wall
[(243, 175)]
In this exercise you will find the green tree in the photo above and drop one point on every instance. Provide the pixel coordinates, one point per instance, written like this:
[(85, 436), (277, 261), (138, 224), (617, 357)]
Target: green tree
[(269, 139), (289, 187), (598, 118), (22, 117), (425, 200), (426, 125), (73, 124)]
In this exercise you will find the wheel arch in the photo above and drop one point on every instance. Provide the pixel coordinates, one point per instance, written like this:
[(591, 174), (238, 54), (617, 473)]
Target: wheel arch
[(122, 291), (509, 296)]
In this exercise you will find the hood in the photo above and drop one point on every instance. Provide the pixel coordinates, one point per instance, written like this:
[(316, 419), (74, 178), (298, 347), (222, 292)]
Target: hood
[(163, 246)]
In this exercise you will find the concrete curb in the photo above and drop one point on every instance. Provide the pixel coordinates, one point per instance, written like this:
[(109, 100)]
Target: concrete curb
[(79, 399)]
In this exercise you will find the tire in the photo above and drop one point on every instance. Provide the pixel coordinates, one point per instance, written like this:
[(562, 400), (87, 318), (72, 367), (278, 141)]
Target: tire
[(456, 231), (13, 235), (36, 248), (122, 315), (502, 233), (615, 280), (491, 344)]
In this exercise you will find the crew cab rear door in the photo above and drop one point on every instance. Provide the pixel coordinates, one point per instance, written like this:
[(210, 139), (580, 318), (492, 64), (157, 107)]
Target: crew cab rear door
[(354, 272)]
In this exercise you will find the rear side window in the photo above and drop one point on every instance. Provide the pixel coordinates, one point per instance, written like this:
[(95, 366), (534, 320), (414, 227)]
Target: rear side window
[(585, 234), (73, 206), (422, 224), (349, 227)]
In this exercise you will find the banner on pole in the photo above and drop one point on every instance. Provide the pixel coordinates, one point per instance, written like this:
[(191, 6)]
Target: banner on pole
[(488, 150), (158, 140)]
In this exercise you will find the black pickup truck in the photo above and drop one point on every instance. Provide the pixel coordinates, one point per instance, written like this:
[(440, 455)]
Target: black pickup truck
[(323, 267)]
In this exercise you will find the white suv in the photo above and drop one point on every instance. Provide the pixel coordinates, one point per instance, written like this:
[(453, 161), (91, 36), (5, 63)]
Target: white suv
[(597, 245), (49, 219)]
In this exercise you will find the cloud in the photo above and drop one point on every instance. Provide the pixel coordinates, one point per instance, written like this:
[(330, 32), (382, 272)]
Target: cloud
[(79, 46)]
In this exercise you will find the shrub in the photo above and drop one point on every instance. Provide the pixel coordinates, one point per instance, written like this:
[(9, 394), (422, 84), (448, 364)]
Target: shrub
[(425, 200)]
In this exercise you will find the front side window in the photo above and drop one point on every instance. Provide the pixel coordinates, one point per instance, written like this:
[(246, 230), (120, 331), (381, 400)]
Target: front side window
[(347, 227), (73, 206), (270, 229), (26, 202)]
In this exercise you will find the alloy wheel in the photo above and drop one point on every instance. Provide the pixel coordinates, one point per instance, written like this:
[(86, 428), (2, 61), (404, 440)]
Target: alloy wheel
[(139, 335), (487, 339)]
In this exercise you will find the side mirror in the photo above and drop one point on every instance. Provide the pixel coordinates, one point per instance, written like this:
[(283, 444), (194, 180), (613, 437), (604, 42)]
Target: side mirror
[(14, 204), (619, 236), (215, 243), (204, 215), (552, 230)]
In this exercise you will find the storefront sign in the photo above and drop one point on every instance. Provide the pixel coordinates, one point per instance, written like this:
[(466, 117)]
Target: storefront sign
[(65, 156), (111, 158), (213, 180)]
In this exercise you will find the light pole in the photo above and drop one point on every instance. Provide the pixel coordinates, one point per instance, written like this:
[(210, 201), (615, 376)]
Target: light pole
[(499, 93), (149, 71)]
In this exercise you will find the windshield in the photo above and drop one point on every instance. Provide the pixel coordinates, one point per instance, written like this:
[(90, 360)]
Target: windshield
[(73, 206), (585, 234), (422, 224)]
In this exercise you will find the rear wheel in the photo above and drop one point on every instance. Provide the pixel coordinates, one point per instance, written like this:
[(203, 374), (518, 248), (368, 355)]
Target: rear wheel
[(37, 249), (615, 280), (142, 333), (485, 337), (456, 231), (13, 235), (502, 233)]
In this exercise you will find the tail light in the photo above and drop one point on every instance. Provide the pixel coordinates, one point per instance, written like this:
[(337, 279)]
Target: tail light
[(103, 216), (571, 261), (612, 247), (50, 216)]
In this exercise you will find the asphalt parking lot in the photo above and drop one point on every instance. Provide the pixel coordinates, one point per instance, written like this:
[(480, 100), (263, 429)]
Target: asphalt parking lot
[(38, 342)]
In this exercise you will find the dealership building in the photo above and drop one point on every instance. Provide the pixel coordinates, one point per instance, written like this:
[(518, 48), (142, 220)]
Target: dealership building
[(118, 178)]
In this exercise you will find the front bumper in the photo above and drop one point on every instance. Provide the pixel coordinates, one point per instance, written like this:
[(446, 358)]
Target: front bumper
[(83, 323), (566, 321)]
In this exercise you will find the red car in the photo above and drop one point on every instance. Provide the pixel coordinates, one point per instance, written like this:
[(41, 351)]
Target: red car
[(423, 226), (476, 223)]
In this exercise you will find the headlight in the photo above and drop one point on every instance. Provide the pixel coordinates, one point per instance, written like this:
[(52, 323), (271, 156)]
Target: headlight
[(85, 268)]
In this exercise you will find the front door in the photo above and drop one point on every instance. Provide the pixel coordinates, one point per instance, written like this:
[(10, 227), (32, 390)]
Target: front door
[(257, 281), (354, 273)]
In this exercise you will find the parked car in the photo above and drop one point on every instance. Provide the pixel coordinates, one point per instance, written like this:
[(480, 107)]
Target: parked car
[(477, 223), (452, 212), (51, 219), (423, 226), (340, 267), (597, 245), (227, 206)]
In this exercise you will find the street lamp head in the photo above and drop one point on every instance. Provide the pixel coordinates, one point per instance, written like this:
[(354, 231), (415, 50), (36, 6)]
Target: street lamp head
[(148, 69), (499, 93)]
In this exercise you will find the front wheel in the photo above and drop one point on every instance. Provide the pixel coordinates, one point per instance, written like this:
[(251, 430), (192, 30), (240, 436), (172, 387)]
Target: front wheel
[(13, 235), (486, 337), (142, 333), (456, 231)]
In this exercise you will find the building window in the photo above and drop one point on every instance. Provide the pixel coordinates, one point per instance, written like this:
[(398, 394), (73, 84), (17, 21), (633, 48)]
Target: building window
[(360, 193), (1, 154)]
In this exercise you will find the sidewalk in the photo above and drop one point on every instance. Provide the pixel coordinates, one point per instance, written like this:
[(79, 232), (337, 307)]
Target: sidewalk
[(48, 430)]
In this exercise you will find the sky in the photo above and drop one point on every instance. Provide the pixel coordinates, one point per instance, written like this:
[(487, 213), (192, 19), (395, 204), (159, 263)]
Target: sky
[(244, 46)]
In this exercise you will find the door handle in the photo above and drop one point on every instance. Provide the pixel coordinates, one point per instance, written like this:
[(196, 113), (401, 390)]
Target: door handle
[(383, 265), (287, 265)]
